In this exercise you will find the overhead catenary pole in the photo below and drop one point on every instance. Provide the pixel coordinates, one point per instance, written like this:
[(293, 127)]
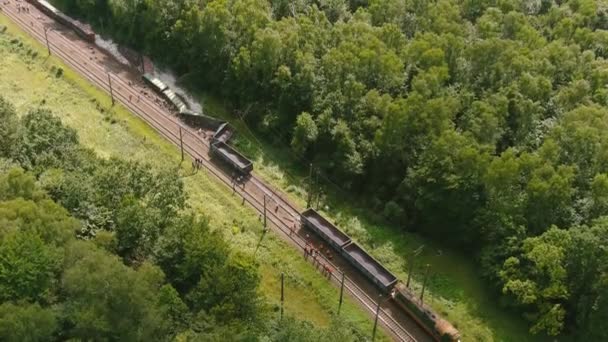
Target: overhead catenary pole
[(376, 320), (282, 295), (318, 189), (309, 201), (48, 47), (264, 211), (111, 92), (141, 60), (410, 270), (426, 276), (341, 293), (181, 143)]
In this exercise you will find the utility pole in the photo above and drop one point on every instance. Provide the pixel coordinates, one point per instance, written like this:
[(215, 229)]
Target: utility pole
[(141, 61), (264, 212), (410, 270), (341, 293), (282, 295), (376, 320), (111, 92), (309, 201), (426, 276), (318, 189), (48, 47), (181, 143)]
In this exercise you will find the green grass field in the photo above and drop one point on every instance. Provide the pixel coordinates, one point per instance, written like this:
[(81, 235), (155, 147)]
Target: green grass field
[(28, 79)]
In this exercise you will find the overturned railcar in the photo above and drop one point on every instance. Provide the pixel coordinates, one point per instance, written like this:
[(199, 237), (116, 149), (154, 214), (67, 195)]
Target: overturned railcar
[(223, 133), (174, 99), (199, 120), (156, 84), (232, 157)]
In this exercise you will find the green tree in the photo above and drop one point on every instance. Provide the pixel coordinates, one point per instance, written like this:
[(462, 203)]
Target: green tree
[(9, 125), (104, 299), (27, 322), (539, 280), (305, 133), (27, 267), (45, 142), (136, 230), (447, 178)]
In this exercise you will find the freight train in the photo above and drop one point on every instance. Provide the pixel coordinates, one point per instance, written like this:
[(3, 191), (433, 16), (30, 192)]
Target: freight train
[(82, 29), (219, 146), (439, 328)]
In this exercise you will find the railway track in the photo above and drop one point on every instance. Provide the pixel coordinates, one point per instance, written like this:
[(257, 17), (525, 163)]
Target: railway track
[(253, 191)]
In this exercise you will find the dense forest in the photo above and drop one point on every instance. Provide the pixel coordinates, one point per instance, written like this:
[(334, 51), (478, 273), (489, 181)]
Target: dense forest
[(107, 250), (483, 122)]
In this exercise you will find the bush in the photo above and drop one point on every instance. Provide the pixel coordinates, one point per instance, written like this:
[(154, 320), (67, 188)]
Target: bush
[(394, 212)]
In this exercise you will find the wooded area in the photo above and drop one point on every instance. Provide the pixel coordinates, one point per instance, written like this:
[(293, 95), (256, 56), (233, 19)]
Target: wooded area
[(480, 122), (96, 249)]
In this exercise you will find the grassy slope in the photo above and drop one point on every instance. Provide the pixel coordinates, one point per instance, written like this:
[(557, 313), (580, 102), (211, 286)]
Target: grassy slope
[(456, 290), (29, 81)]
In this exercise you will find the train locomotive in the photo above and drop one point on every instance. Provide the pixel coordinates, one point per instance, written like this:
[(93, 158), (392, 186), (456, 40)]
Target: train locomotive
[(440, 329)]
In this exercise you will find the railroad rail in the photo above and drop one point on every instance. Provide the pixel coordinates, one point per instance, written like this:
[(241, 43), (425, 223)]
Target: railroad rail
[(169, 127)]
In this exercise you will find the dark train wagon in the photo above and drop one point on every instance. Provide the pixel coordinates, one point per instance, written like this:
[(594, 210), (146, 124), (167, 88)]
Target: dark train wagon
[(83, 30), (200, 120), (155, 83), (439, 328), (369, 266), (328, 232), (223, 133), (236, 160)]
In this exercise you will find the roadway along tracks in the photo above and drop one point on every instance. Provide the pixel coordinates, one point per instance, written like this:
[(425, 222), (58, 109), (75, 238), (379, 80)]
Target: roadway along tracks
[(252, 191)]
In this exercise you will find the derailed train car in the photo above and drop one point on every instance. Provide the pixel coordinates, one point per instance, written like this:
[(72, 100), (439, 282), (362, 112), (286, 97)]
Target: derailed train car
[(440, 329), (219, 147), (156, 84), (82, 29), (232, 157), (174, 99), (163, 90)]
